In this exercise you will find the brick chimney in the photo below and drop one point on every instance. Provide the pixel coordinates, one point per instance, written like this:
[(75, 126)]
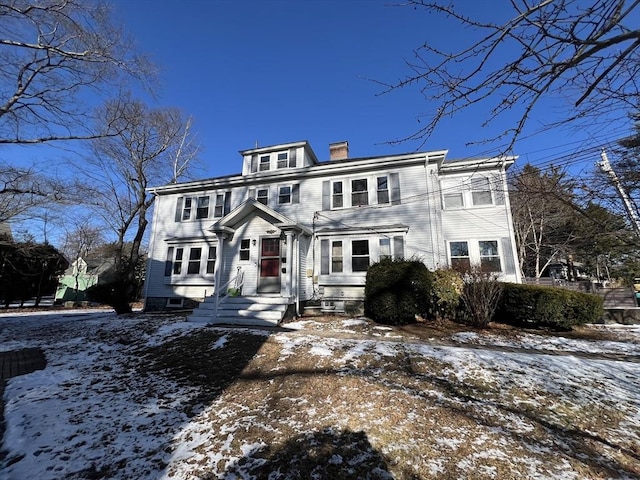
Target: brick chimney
[(339, 151)]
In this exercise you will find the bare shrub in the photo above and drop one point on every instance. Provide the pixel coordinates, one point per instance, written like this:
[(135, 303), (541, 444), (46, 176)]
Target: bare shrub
[(480, 296)]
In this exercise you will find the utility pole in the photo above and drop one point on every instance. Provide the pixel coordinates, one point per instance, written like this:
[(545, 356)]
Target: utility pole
[(605, 166)]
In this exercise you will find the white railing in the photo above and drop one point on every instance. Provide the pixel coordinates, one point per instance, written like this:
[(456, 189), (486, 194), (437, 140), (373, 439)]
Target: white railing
[(239, 282)]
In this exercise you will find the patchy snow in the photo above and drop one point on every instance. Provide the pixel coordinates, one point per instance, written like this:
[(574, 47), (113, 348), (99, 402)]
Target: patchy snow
[(89, 414)]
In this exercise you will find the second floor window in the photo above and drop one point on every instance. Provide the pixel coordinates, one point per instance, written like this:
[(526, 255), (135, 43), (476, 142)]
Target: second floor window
[(289, 194), (186, 212), (202, 210), (383, 190), (337, 197), (218, 209), (359, 192), (481, 191), (263, 196)]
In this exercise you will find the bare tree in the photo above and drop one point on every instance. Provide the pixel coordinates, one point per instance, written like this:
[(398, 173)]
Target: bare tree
[(55, 55), (157, 147), (23, 190), (586, 52)]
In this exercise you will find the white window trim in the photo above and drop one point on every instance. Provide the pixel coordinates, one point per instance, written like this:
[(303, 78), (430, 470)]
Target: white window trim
[(474, 251), (184, 278), (462, 186)]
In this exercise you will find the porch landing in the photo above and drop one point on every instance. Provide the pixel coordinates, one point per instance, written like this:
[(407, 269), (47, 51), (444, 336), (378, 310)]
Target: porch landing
[(259, 310)]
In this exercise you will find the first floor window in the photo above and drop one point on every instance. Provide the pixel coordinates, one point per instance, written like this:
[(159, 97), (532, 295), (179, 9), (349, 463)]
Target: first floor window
[(489, 257), (359, 255), (359, 192), (385, 248), (336, 256), (193, 268), (211, 261), (177, 264), (263, 196), (459, 254), (168, 264), (245, 249)]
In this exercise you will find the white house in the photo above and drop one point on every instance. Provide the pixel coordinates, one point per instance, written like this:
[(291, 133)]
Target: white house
[(290, 229)]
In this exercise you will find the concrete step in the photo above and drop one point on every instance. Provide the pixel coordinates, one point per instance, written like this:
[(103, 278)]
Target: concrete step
[(230, 320)]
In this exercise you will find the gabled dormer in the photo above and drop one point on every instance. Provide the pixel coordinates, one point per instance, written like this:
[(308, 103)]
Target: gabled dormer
[(277, 158)]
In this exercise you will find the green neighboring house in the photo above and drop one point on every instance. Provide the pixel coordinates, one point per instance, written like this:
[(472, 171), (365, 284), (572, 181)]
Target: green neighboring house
[(82, 274)]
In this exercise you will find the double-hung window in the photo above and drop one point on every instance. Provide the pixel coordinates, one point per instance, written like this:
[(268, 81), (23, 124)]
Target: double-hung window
[(202, 208), (263, 196), (177, 263), (359, 192), (193, 267), (337, 197), (245, 249), (383, 190), (265, 163), (186, 210), (336, 256), (385, 248), (211, 261), (489, 257), (359, 255), (283, 160), (459, 255), (480, 191), (288, 194), (168, 264)]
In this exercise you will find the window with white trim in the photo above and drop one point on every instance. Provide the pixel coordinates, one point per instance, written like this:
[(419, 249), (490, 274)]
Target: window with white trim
[(218, 209), (177, 262), (459, 256), (383, 190), (265, 163), (211, 261), (337, 197), (336, 256), (481, 191), (195, 254), (359, 192), (263, 196), (489, 256), (385, 248), (202, 207), (245, 249), (288, 194), (283, 160), (359, 255), (186, 210)]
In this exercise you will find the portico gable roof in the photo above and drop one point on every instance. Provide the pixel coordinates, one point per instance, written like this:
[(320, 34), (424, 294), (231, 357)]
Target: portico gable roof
[(250, 208)]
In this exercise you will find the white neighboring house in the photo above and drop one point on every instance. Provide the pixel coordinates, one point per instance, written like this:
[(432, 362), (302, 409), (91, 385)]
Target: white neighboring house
[(290, 229)]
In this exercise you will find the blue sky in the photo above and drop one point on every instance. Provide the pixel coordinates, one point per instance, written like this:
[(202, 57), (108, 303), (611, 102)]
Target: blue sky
[(277, 71)]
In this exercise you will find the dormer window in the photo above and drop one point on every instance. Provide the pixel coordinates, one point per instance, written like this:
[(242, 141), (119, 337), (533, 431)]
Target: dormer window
[(283, 160), (265, 163)]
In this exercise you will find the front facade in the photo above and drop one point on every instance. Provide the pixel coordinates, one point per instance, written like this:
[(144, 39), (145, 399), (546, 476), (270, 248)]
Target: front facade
[(290, 226)]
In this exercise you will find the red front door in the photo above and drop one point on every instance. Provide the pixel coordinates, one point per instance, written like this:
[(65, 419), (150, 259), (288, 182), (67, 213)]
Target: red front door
[(269, 275)]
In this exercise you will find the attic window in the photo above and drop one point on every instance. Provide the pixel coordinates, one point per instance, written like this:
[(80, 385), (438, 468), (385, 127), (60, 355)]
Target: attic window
[(265, 163), (283, 160)]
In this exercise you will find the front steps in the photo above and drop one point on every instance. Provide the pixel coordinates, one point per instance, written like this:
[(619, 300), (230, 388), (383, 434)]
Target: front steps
[(265, 311)]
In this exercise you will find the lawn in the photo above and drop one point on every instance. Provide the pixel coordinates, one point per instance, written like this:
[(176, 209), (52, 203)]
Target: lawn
[(154, 397)]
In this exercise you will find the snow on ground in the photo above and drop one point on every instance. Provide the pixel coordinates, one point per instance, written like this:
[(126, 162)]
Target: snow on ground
[(89, 414)]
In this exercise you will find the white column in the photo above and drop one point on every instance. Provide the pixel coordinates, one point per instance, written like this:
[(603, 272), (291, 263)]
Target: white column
[(290, 263), (216, 272)]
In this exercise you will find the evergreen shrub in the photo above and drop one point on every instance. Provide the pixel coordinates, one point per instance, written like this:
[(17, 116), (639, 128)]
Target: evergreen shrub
[(551, 307), (397, 290), (445, 294)]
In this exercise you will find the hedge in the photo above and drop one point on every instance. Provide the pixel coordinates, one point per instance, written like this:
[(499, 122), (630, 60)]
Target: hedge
[(557, 308), (397, 290)]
